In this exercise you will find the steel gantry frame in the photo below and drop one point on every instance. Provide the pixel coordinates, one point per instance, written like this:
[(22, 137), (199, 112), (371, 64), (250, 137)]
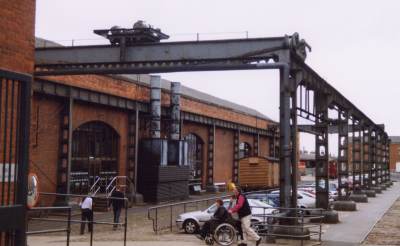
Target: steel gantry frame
[(286, 53)]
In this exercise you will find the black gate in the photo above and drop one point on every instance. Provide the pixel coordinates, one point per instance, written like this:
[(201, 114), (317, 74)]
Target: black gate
[(15, 95)]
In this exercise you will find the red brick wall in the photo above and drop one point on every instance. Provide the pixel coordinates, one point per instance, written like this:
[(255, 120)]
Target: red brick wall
[(16, 54), (394, 155), (263, 147), (17, 27), (223, 162), (45, 137), (44, 144), (128, 89)]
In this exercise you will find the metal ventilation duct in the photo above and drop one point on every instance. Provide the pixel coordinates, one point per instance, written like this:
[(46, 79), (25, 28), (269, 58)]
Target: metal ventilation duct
[(155, 101), (175, 110)]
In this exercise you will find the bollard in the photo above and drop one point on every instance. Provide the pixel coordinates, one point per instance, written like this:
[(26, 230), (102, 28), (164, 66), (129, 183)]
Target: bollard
[(362, 198), (344, 205)]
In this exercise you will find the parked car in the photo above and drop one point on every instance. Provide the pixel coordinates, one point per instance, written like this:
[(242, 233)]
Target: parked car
[(269, 198), (192, 221), (304, 199), (333, 189)]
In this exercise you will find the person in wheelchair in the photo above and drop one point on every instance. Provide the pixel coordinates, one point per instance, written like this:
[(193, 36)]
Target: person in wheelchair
[(220, 216)]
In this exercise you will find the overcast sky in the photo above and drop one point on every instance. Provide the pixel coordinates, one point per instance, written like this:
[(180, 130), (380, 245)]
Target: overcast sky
[(355, 44)]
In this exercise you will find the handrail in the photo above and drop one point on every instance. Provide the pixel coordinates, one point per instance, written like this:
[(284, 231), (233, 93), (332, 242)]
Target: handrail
[(111, 182), (115, 179), (68, 221), (302, 215), (94, 185)]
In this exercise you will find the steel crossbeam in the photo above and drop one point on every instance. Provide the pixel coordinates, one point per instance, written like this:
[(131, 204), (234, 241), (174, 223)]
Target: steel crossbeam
[(286, 53)]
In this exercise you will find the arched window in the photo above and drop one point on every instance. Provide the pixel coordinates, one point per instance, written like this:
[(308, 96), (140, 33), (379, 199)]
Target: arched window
[(244, 150), (195, 155), (95, 148)]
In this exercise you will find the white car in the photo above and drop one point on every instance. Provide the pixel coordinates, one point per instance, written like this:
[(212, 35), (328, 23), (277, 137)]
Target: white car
[(305, 199), (333, 190), (192, 221)]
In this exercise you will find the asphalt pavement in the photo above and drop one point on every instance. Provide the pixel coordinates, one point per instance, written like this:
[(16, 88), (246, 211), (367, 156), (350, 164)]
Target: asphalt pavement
[(354, 227)]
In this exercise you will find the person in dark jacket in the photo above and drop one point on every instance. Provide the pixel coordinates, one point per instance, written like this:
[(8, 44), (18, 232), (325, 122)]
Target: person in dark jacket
[(220, 216), (117, 201), (242, 208), (234, 221)]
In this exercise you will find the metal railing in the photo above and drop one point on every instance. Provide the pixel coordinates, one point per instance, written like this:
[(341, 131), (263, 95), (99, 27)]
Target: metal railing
[(267, 224), (158, 214), (95, 187), (71, 221), (115, 182), (168, 212), (294, 223), (68, 221), (15, 104)]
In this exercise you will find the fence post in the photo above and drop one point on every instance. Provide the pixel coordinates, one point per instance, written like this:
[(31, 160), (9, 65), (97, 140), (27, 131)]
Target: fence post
[(170, 218), (69, 225), (126, 220), (91, 232), (156, 221)]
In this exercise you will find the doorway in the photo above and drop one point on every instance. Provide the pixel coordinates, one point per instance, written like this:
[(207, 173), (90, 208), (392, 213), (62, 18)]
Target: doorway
[(95, 148)]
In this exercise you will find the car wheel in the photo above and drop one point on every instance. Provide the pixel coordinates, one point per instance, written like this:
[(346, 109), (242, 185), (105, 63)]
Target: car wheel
[(190, 226), (255, 224)]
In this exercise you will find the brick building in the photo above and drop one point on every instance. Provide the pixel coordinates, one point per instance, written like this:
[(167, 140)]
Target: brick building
[(394, 152), (97, 115)]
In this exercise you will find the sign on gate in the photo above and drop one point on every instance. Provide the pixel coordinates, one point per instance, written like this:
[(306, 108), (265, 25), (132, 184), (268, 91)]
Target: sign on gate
[(9, 172)]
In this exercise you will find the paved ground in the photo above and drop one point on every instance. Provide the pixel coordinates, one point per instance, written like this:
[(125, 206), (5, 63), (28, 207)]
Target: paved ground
[(167, 240), (387, 230), (355, 226), (352, 230)]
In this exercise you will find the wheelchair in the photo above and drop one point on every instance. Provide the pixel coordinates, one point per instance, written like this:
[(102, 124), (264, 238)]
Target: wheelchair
[(224, 234)]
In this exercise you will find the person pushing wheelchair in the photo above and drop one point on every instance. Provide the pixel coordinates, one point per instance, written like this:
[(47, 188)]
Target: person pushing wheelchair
[(242, 208)]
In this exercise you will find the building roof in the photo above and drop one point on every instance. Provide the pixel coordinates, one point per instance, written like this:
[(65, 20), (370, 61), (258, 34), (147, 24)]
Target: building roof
[(185, 91), (395, 139)]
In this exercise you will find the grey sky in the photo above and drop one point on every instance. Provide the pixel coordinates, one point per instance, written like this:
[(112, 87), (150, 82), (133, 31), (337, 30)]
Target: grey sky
[(355, 43)]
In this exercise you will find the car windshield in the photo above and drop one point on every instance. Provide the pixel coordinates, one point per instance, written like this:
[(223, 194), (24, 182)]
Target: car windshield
[(306, 194), (257, 203), (213, 207), (332, 187)]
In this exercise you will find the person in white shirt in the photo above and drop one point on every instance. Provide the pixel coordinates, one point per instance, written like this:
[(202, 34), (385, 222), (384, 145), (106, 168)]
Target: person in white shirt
[(86, 213)]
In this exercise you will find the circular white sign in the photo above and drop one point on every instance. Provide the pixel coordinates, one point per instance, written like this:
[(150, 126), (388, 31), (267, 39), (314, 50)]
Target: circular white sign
[(33, 190)]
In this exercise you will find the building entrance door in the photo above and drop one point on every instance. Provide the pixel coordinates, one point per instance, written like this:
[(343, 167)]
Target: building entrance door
[(94, 171), (94, 156)]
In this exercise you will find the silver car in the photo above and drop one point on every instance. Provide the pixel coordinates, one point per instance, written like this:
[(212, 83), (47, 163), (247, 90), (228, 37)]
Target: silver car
[(192, 221)]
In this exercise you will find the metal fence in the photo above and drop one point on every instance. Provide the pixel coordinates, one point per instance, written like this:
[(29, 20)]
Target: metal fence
[(67, 229), (71, 221), (15, 94), (163, 216), (294, 223)]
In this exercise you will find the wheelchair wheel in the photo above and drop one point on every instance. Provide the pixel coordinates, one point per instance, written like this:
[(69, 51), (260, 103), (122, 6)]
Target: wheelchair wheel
[(225, 234)]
